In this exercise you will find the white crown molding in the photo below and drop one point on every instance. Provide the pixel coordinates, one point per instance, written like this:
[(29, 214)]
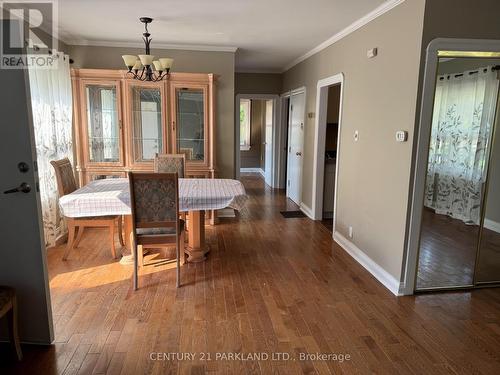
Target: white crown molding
[(377, 12), (186, 47)]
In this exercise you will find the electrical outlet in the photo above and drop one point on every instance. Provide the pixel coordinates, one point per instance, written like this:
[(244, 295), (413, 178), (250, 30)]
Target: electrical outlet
[(350, 232)]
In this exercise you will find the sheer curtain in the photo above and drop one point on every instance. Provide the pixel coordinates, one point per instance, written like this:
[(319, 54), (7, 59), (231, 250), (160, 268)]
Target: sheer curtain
[(464, 110), (51, 103)]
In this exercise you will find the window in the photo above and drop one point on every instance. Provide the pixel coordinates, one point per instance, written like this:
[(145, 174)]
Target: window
[(245, 124)]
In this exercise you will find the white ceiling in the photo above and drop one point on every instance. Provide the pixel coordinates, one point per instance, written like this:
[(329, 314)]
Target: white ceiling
[(268, 34)]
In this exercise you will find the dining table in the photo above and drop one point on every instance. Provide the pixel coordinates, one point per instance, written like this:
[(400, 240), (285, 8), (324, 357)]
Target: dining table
[(111, 196)]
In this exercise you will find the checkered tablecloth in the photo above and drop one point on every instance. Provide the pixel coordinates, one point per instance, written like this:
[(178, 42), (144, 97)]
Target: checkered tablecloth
[(112, 197)]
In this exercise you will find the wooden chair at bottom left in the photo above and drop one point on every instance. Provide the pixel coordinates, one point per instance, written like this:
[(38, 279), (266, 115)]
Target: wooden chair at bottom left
[(8, 307), (154, 199)]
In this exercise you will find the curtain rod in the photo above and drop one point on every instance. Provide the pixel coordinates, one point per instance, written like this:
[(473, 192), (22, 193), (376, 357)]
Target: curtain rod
[(493, 68)]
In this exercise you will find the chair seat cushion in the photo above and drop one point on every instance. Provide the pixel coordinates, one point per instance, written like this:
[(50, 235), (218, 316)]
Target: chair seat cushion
[(158, 231)]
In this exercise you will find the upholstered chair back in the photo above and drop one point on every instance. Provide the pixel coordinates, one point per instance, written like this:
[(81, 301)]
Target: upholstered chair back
[(65, 177), (170, 163), (154, 199)]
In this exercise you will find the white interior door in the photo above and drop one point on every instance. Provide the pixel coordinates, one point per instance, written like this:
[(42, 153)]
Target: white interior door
[(268, 161), (22, 253), (295, 147)]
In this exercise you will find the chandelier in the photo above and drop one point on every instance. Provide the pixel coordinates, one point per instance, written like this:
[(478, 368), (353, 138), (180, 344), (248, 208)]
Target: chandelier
[(144, 67)]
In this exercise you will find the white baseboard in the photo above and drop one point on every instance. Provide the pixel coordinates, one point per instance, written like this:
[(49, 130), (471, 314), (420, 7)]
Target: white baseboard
[(492, 225), (252, 170), (306, 210), (369, 264)]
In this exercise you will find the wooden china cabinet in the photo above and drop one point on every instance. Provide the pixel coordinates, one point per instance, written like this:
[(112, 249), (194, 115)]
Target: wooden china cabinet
[(120, 123)]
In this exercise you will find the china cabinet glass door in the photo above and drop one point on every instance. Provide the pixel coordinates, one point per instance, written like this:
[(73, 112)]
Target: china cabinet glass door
[(191, 123), (103, 123), (146, 123)]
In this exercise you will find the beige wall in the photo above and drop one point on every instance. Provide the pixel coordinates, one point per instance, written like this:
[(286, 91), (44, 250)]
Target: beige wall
[(379, 99), (258, 83), (252, 158), (468, 19), (220, 63)]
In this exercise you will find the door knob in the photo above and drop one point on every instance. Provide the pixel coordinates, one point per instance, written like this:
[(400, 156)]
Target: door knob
[(298, 153), (23, 188)]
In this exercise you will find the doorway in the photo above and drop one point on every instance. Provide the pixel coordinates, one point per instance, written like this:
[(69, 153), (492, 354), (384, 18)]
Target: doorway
[(295, 146), (331, 142), (256, 134), (328, 128), (454, 240)]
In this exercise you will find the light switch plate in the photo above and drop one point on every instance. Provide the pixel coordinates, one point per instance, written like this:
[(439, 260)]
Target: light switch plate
[(371, 53), (401, 136)]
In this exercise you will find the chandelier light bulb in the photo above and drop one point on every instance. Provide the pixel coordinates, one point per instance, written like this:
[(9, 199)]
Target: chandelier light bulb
[(150, 70)]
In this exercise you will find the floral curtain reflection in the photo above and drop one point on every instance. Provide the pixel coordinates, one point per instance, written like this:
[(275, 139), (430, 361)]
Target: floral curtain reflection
[(464, 110)]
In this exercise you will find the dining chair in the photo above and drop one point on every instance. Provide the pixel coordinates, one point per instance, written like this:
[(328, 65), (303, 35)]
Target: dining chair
[(8, 307), (171, 163), (154, 199), (66, 184)]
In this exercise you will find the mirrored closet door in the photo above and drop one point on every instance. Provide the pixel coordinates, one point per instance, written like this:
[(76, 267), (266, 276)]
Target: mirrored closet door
[(460, 229), (488, 260)]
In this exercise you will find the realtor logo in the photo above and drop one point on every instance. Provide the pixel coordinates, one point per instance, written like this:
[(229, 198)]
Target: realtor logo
[(27, 34)]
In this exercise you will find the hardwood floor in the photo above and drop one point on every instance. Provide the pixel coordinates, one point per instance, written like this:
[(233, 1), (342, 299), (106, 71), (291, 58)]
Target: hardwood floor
[(488, 269), (270, 285), (448, 253), (328, 224)]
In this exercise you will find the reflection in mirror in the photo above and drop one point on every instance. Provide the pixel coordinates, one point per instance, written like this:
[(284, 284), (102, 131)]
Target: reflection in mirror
[(462, 124), (488, 265)]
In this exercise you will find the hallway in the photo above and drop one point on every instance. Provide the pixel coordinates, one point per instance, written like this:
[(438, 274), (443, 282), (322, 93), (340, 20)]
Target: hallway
[(270, 285)]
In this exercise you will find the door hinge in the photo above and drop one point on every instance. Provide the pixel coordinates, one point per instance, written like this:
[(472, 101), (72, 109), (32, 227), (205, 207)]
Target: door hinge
[(290, 149), (288, 182), (35, 166)]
